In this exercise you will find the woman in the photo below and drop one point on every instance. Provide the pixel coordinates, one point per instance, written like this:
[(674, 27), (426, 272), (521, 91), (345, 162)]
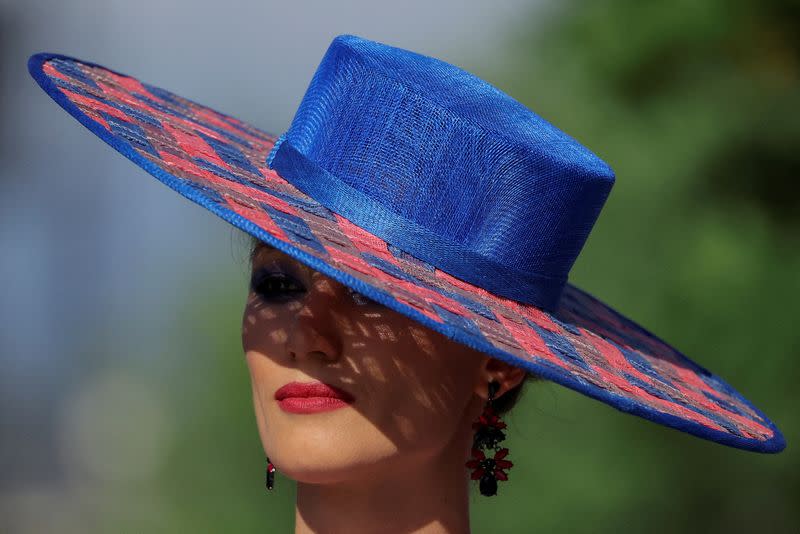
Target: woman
[(414, 229), (394, 466)]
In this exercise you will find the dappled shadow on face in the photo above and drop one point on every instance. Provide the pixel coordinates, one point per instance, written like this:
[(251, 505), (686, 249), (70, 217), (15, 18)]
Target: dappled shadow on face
[(411, 384)]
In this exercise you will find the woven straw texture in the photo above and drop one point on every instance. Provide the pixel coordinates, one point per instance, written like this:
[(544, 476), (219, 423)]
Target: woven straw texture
[(219, 162)]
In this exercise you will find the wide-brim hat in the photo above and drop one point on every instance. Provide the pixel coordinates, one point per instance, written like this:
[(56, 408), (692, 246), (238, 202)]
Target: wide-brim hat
[(433, 193)]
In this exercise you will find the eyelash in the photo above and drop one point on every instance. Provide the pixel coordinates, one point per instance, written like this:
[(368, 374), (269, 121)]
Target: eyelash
[(273, 286), (264, 285)]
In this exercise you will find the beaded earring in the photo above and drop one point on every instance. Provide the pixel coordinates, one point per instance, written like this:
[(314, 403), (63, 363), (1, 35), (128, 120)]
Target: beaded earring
[(488, 435), (270, 475)]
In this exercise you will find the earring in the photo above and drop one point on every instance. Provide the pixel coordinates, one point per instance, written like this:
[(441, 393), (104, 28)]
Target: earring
[(270, 474), (488, 435)]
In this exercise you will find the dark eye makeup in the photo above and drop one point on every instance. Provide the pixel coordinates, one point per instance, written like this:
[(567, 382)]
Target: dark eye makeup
[(274, 285), (277, 286)]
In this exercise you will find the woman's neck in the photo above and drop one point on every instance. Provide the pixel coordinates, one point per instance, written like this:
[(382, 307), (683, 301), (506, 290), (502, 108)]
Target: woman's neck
[(432, 497)]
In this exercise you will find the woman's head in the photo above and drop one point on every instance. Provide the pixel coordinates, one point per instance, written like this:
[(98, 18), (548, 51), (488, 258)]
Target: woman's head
[(414, 391)]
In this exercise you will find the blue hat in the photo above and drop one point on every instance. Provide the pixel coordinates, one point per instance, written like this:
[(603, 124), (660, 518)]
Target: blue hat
[(433, 193)]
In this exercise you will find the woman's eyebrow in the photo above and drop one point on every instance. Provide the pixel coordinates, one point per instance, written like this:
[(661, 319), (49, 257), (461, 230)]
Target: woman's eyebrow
[(258, 247), (268, 252)]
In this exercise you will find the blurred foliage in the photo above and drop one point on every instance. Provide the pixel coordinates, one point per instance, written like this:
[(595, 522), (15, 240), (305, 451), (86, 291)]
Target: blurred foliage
[(696, 105)]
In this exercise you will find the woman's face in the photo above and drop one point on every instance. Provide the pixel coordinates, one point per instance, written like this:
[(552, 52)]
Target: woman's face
[(410, 391)]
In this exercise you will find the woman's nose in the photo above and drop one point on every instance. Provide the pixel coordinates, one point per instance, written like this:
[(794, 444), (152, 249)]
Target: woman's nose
[(312, 333)]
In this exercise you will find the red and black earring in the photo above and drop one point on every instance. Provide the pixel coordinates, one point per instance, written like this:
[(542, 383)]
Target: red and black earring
[(488, 435), (270, 474)]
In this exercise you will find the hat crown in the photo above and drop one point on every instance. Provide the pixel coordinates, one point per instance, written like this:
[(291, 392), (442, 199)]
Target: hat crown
[(444, 166)]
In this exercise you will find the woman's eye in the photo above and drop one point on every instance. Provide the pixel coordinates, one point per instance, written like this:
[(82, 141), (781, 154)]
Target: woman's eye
[(275, 286), (278, 286)]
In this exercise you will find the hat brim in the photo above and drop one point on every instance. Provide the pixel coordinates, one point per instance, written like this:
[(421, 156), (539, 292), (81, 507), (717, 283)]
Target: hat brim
[(219, 162)]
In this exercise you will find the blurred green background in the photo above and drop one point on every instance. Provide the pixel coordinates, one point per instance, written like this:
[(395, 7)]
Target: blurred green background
[(696, 106)]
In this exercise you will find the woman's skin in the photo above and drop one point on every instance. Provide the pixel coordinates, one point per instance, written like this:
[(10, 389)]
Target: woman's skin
[(393, 459)]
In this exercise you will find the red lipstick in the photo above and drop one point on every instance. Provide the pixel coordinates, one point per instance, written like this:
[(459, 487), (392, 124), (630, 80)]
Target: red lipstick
[(311, 397)]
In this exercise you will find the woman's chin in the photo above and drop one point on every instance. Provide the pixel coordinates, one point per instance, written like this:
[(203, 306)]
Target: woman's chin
[(317, 461), (312, 471)]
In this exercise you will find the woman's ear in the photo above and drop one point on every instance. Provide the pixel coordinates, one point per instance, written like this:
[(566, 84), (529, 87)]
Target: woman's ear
[(507, 375)]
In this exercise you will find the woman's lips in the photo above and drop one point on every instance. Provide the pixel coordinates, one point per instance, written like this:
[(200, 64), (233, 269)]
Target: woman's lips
[(311, 397)]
